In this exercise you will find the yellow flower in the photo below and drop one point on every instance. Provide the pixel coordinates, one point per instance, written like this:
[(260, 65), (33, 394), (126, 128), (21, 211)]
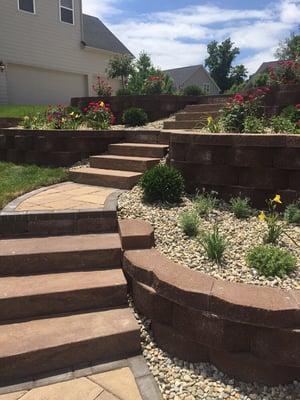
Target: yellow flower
[(102, 104), (262, 216), (77, 116), (26, 118), (210, 120), (277, 199), (72, 113)]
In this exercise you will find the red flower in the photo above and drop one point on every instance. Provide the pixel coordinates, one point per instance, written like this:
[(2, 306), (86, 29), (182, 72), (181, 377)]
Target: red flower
[(238, 98), (298, 106)]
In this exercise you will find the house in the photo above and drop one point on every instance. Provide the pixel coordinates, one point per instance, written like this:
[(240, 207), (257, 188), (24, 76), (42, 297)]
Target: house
[(50, 51), (193, 75), (266, 66)]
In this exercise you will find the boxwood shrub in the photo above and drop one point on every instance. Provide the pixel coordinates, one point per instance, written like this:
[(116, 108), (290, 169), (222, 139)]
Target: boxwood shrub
[(135, 117), (162, 183)]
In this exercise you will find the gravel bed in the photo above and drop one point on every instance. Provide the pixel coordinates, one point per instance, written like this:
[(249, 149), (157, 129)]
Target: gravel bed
[(179, 380), (241, 236)]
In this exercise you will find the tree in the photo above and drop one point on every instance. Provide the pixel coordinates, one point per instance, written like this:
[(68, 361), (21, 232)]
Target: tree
[(289, 49), (143, 68), (219, 62), (238, 74), (120, 67)]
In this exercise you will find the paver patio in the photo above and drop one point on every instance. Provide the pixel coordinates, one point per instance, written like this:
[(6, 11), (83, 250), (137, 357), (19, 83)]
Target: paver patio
[(66, 196), (112, 385)]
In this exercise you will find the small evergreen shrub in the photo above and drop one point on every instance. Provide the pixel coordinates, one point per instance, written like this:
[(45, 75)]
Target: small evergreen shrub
[(291, 112), (123, 92), (292, 213), (240, 207), (253, 125), (205, 203), (162, 183), (214, 244), (192, 90), (269, 260), (135, 117), (189, 222)]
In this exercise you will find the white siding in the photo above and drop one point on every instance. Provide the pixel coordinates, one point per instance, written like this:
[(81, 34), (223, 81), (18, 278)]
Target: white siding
[(3, 87), (41, 40)]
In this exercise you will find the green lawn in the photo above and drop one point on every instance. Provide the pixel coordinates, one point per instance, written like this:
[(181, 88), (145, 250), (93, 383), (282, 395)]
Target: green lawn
[(19, 111), (16, 180)]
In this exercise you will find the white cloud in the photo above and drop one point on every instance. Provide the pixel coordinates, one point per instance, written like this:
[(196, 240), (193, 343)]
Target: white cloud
[(179, 37)]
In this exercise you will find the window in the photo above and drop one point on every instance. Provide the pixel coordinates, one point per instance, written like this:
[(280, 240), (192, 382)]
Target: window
[(26, 5), (66, 10), (206, 87)]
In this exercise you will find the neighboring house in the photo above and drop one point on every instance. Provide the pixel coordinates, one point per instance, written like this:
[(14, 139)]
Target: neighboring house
[(194, 75), (50, 51)]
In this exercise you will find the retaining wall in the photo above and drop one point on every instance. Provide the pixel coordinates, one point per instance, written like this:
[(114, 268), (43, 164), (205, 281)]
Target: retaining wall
[(54, 148), (251, 333), (256, 166), (156, 106)]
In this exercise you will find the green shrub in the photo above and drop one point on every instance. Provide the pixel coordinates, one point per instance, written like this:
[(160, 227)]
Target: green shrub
[(205, 203), (291, 112), (282, 125), (269, 260), (253, 125), (292, 213), (240, 207), (214, 245), (134, 117), (189, 222), (192, 90), (123, 92), (162, 183), (261, 80)]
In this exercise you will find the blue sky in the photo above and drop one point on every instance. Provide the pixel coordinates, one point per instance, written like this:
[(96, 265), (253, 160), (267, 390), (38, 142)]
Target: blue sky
[(175, 33)]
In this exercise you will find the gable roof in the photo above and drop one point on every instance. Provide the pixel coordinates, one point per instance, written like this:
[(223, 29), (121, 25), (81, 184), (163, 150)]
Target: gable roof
[(97, 35), (181, 75), (269, 64)]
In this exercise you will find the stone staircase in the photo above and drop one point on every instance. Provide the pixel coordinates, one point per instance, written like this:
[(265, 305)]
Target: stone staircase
[(122, 167), (63, 302), (195, 116)]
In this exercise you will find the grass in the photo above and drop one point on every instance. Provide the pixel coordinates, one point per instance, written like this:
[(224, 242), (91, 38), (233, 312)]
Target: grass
[(19, 111), (19, 179)]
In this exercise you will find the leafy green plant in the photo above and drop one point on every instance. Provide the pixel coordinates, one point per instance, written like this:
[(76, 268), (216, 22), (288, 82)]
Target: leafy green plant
[(189, 222), (162, 183), (123, 92), (292, 213), (214, 244), (253, 125), (135, 117), (269, 260), (291, 112), (102, 87), (213, 126), (240, 207), (204, 203), (192, 90), (280, 124)]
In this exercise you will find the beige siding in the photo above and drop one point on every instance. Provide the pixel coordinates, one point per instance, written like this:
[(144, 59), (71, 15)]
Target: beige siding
[(27, 85), (3, 87), (41, 40), (201, 77)]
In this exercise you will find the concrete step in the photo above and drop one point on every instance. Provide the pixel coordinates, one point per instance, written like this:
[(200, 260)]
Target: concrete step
[(59, 254), (45, 345), (204, 107), (138, 150), (39, 295), (123, 163), (195, 116), (184, 124), (105, 177)]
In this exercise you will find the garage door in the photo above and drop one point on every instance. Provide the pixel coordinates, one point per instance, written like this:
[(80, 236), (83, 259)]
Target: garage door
[(27, 85)]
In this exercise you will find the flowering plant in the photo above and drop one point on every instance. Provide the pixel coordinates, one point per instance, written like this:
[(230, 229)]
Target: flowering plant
[(102, 88), (62, 117), (287, 73), (154, 84), (98, 115)]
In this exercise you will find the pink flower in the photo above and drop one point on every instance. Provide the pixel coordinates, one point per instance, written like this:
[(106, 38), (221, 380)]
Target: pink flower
[(298, 106), (239, 98)]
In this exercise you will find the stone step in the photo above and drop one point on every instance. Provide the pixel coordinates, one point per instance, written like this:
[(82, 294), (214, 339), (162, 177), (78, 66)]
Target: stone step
[(123, 163), (184, 124), (138, 150), (105, 177), (204, 107), (24, 297), (59, 254), (45, 345), (195, 116)]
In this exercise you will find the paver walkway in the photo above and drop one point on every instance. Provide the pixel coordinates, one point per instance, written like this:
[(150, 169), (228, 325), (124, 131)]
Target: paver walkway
[(66, 196), (119, 384)]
